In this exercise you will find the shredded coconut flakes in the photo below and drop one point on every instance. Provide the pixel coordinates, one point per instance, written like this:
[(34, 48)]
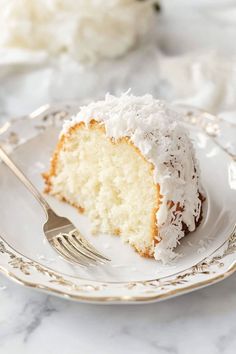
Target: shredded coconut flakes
[(154, 129)]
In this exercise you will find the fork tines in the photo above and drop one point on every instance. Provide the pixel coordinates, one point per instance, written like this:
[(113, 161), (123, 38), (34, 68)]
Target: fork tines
[(76, 249)]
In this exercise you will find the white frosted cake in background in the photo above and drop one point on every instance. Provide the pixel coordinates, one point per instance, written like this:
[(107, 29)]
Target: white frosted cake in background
[(131, 167), (87, 30)]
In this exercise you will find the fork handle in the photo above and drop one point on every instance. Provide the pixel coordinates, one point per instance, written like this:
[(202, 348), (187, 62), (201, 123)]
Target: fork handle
[(21, 176)]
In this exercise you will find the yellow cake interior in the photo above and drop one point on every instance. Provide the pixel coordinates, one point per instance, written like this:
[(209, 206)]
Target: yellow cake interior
[(110, 181)]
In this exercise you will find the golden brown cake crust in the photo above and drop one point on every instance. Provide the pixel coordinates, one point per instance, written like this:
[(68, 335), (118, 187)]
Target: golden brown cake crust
[(149, 253)]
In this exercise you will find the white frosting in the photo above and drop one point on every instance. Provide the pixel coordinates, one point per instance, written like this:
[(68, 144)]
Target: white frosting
[(154, 130), (86, 29)]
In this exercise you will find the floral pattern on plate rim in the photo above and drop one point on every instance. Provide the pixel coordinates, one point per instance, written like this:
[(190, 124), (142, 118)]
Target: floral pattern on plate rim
[(220, 264)]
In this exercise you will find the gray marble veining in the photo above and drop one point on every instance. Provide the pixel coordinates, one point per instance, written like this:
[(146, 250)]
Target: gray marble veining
[(200, 322)]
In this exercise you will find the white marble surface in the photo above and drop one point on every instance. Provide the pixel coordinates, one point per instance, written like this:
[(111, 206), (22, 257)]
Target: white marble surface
[(201, 322), (195, 63)]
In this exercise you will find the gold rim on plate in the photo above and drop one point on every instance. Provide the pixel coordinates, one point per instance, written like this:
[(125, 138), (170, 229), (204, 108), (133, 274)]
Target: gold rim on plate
[(32, 274)]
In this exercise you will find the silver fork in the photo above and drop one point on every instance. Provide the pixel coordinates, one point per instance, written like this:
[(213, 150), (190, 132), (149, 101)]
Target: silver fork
[(59, 231)]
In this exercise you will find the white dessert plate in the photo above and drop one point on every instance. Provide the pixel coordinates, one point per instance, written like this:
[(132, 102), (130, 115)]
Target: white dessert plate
[(206, 255)]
